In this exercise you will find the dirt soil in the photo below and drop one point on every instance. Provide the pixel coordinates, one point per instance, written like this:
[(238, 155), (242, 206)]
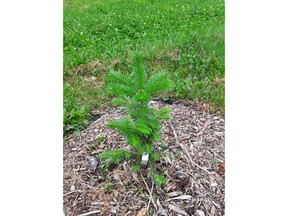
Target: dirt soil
[(192, 146)]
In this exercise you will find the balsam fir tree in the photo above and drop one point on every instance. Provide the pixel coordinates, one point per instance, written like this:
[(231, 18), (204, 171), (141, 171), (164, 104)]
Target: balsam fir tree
[(142, 126)]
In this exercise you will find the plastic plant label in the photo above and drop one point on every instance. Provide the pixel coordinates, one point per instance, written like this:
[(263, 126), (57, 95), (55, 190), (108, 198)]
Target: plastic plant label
[(145, 158)]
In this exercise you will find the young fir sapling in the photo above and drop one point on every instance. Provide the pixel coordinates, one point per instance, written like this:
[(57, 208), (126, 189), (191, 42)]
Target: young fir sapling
[(142, 126)]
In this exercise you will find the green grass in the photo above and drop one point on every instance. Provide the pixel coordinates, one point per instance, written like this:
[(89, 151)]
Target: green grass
[(182, 37)]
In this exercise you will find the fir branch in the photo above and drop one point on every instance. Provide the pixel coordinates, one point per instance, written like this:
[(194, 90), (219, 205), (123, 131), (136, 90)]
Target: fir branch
[(142, 97), (134, 141), (145, 148), (120, 101), (116, 156), (118, 78), (158, 82), (142, 127), (124, 125), (120, 90), (139, 72), (163, 113)]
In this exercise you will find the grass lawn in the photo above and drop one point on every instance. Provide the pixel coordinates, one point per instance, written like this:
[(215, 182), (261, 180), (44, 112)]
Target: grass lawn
[(184, 38)]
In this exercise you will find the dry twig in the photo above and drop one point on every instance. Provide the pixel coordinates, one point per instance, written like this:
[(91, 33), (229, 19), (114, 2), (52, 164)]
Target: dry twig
[(79, 191), (150, 194), (184, 149), (89, 213)]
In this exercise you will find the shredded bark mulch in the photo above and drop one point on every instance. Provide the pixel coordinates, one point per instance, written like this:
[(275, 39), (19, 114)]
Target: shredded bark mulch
[(192, 146)]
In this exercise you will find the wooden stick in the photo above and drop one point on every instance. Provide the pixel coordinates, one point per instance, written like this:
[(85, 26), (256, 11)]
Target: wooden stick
[(72, 192), (150, 194), (89, 213), (184, 149)]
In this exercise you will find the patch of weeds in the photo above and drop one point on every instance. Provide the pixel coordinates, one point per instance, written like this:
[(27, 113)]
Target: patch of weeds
[(100, 139), (214, 161), (76, 116), (151, 210), (108, 187), (80, 96), (183, 88)]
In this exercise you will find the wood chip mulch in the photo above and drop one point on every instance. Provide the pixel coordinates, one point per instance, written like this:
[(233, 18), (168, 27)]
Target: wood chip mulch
[(192, 146)]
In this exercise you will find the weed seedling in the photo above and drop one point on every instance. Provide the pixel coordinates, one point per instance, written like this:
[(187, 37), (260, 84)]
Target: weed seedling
[(108, 187), (100, 139), (214, 161)]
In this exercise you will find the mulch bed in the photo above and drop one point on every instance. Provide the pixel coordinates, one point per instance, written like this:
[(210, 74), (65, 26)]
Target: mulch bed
[(192, 146)]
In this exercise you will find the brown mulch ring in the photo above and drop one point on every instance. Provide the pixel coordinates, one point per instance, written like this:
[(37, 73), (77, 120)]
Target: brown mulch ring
[(192, 146)]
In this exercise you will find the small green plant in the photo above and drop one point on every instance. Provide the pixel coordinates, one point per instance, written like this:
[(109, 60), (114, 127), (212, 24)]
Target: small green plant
[(214, 161), (142, 126), (108, 187), (76, 116), (100, 139)]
